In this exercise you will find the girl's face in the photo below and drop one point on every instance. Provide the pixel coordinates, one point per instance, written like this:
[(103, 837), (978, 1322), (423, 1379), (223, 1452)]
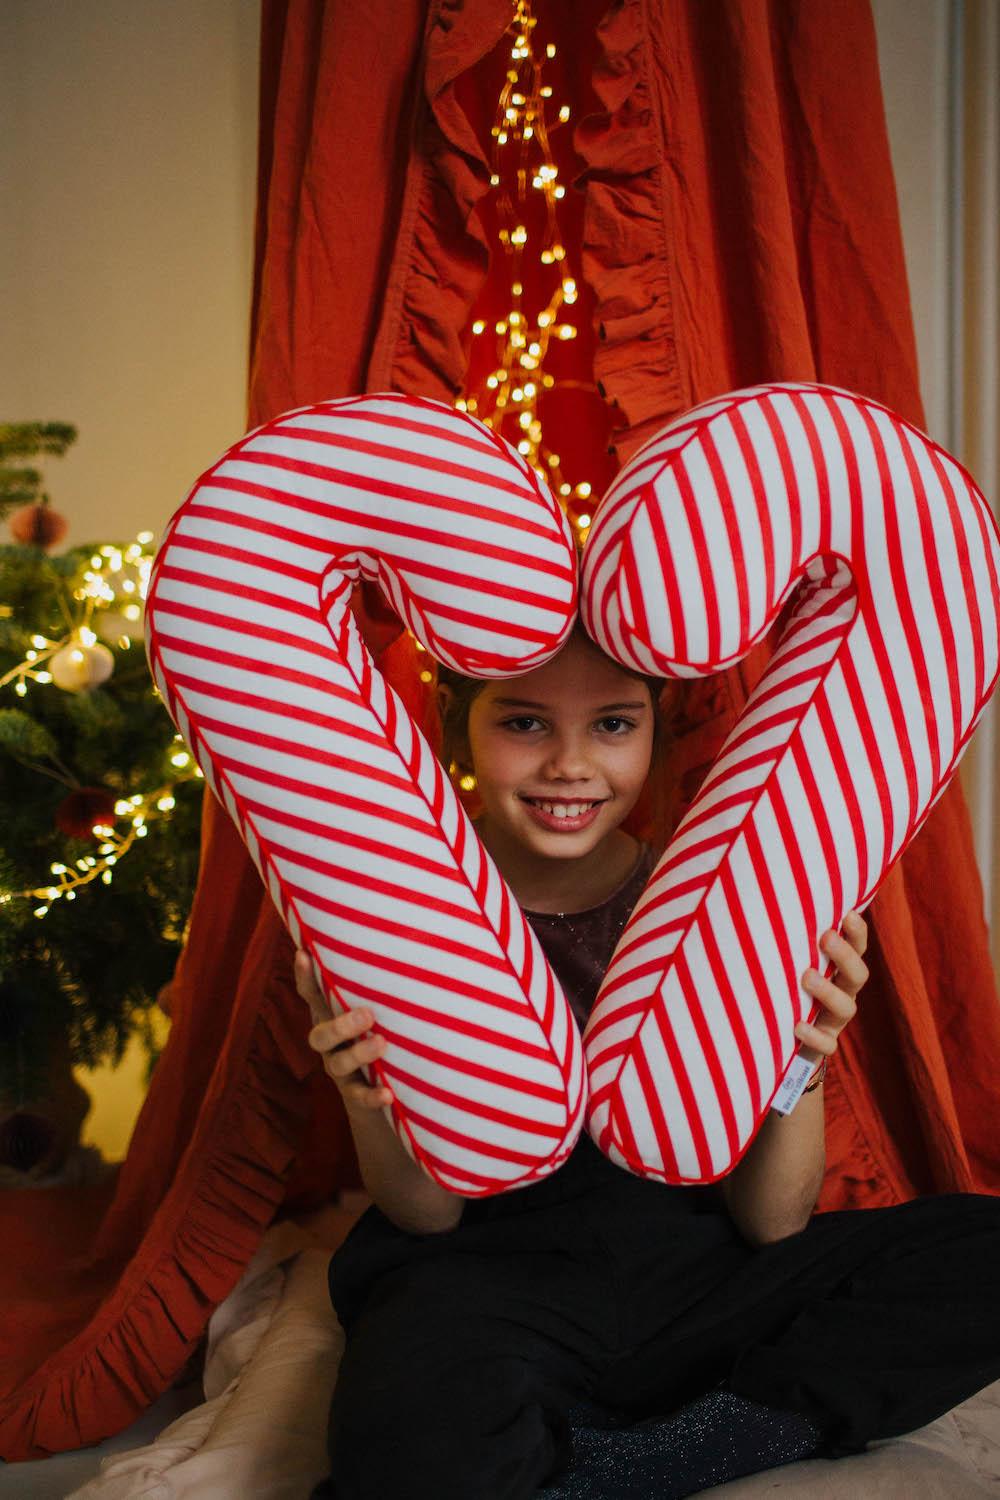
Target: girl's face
[(560, 754)]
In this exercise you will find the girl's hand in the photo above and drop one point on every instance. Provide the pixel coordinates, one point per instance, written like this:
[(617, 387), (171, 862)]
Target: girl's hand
[(836, 995), (344, 1042)]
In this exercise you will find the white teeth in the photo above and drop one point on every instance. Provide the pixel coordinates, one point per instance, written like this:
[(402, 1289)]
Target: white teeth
[(565, 809)]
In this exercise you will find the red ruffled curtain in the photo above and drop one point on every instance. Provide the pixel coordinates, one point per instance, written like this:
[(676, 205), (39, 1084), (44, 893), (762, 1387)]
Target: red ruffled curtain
[(737, 223)]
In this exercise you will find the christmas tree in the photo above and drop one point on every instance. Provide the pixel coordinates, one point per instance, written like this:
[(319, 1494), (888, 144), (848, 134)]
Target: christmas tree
[(101, 801)]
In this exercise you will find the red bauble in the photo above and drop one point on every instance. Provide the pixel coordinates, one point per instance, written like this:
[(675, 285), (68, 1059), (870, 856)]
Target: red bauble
[(38, 526), (77, 813)]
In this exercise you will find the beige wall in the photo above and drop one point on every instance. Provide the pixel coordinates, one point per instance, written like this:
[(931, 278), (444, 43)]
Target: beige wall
[(127, 149), (128, 137)]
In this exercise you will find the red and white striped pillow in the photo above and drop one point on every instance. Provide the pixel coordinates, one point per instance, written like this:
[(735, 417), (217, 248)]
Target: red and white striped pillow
[(346, 811), (888, 657), (886, 661)]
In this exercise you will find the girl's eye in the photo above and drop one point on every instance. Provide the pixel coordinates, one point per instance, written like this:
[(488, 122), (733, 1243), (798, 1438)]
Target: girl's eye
[(615, 724), (523, 724)]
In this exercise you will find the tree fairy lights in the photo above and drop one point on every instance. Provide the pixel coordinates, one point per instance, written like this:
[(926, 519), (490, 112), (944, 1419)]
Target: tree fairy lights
[(104, 598)]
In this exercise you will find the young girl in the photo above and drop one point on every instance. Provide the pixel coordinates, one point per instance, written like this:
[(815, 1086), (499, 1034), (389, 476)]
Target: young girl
[(481, 1332)]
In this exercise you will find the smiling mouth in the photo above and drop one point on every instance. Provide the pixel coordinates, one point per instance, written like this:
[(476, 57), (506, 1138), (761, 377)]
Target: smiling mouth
[(564, 814), (561, 809)]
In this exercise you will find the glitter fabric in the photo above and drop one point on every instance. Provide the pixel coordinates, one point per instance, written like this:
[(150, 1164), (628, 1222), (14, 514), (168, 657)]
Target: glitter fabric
[(717, 1438)]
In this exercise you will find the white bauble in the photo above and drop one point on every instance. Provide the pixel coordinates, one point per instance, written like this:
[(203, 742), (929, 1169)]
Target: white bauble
[(78, 668)]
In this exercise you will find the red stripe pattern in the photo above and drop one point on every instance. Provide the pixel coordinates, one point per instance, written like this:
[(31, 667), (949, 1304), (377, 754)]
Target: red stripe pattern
[(344, 808), (887, 558)]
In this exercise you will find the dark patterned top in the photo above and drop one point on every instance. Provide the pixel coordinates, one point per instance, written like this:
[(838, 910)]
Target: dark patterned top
[(579, 944)]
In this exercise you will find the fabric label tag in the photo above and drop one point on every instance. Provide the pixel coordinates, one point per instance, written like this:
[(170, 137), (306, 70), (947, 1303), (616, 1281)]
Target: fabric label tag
[(793, 1085)]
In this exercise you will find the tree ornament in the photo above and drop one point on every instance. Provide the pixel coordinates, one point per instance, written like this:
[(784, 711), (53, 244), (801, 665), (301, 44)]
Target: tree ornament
[(81, 666), (38, 525), (84, 809)]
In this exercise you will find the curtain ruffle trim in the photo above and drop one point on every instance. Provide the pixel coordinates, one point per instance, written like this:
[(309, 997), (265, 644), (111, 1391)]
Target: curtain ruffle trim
[(442, 256), (626, 252), (142, 1335)]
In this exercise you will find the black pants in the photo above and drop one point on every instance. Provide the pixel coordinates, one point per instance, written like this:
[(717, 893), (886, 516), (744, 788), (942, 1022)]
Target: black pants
[(466, 1350)]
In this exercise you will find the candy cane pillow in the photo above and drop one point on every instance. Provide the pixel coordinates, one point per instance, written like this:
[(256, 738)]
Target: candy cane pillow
[(350, 819), (889, 559)]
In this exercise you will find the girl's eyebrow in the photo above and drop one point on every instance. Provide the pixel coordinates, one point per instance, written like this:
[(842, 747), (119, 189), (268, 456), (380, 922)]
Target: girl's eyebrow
[(606, 708)]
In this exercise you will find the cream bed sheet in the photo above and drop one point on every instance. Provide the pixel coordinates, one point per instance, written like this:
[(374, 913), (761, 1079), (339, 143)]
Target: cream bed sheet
[(273, 1350)]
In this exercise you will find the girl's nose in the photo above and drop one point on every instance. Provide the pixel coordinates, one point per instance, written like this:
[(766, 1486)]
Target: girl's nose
[(569, 761)]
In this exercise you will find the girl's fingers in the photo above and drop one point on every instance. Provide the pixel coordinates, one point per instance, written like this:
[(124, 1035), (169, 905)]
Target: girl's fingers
[(344, 1041), (308, 989), (856, 931), (341, 1062), (851, 967), (360, 1096), (333, 1032), (838, 1003), (816, 1038)]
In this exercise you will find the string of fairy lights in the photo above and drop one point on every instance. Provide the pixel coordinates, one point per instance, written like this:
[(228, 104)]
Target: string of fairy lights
[(110, 593), (525, 175)]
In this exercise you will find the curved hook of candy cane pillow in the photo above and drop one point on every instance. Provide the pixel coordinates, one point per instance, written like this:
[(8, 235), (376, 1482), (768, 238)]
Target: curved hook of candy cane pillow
[(887, 659), (351, 820)]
